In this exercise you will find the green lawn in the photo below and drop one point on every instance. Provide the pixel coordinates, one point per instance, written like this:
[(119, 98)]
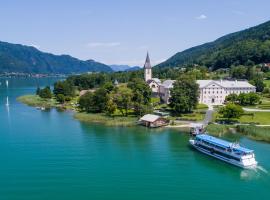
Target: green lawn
[(201, 106), (258, 118), (267, 83), (195, 116)]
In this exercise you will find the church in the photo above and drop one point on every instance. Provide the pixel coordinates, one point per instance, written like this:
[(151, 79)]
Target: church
[(211, 92)]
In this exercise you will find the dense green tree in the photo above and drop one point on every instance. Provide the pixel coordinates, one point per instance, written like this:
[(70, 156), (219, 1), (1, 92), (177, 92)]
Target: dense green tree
[(141, 96), (108, 86), (94, 102), (65, 88), (110, 107), (253, 98), (238, 72), (233, 98), (101, 98), (45, 93), (122, 98), (243, 99), (87, 102), (258, 83), (231, 111), (184, 95), (60, 98)]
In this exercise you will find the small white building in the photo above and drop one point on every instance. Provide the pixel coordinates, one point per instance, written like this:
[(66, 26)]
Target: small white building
[(212, 92)]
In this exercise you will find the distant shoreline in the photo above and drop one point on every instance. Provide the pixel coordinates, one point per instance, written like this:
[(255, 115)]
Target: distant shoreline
[(30, 75)]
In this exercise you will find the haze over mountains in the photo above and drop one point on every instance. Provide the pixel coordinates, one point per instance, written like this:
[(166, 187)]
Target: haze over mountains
[(120, 68), (27, 59), (248, 46)]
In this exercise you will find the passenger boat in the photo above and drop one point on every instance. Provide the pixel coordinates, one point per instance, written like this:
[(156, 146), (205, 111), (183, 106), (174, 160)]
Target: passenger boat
[(229, 152)]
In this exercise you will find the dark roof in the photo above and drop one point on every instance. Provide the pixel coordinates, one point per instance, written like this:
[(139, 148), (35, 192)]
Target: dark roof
[(147, 64)]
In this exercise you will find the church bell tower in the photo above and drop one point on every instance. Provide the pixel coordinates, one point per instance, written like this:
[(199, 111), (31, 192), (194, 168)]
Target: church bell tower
[(147, 69)]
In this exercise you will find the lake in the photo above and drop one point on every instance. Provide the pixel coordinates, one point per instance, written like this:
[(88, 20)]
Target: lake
[(49, 155)]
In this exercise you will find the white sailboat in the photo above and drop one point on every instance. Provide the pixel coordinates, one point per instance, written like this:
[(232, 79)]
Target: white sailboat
[(7, 83)]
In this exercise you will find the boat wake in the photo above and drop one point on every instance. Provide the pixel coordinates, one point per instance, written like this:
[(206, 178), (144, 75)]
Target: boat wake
[(254, 173), (261, 169)]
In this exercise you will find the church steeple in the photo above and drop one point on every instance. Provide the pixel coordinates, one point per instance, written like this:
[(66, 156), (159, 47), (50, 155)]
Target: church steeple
[(147, 64), (147, 69)]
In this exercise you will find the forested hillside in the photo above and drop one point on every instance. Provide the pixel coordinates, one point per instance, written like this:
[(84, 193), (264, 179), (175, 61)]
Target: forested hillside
[(27, 59), (250, 46)]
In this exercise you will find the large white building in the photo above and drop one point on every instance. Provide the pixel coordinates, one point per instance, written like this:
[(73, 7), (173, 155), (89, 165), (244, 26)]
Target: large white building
[(212, 92)]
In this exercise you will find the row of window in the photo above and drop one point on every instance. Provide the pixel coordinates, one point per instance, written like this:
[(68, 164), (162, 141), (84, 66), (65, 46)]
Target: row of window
[(227, 92)]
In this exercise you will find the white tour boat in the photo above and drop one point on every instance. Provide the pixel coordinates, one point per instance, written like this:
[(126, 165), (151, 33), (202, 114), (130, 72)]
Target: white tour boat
[(229, 152)]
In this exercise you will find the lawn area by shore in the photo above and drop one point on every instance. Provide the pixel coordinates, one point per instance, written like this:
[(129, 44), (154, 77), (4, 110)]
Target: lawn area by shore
[(255, 117), (106, 120), (36, 101)]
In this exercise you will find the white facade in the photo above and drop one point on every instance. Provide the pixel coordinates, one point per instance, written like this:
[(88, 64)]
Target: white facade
[(215, 92), (154, 84), (164, 91)]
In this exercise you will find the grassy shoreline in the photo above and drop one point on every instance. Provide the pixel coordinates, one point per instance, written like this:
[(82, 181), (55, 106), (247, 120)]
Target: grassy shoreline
[(36, 101), (252, 132), (100, 118)]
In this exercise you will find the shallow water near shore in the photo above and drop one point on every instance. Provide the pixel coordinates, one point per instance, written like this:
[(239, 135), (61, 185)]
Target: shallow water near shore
[(49, 155)]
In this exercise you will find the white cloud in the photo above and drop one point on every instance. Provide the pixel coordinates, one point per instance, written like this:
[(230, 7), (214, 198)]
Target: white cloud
[(103, 44), (201, 17)]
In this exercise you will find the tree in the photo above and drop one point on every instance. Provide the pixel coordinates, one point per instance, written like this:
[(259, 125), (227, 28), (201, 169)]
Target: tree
[(258, 83), (253, 98), (238, 72), (94, 102), (184, 95), (60, 98), (243, 99), (108, 86), (100, 100), (37, 90), (141, 96), (45, 93), (65, 88), (231, 111), (110, 107), (86, 102), (233, 98), (122, 98)]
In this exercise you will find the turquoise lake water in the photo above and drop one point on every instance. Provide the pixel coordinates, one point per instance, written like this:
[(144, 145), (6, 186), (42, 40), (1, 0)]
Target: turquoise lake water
[(49, 155)]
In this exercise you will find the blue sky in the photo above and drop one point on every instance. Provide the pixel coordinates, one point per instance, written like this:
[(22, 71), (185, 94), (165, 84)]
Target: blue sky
[(121, 31)]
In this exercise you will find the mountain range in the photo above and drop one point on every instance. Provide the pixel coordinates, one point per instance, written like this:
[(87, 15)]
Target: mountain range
[(250, 46), (121, 68), (27, 59)]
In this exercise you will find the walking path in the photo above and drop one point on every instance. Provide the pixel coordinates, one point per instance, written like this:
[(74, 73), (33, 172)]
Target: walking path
[(255, 110), (208, 115)]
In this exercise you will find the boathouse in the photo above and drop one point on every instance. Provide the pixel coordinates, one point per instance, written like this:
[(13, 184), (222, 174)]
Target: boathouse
[(153, 121)]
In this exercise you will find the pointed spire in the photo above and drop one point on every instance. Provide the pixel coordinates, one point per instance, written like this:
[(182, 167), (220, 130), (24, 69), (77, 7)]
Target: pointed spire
[(147, 64)]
